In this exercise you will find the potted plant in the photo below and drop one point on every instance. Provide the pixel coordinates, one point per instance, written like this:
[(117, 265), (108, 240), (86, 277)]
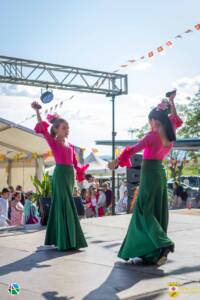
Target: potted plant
[(43, 196)]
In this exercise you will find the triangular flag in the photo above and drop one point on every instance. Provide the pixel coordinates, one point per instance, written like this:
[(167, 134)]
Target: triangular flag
[(150, 54), (160, 49), (188, 31), (94, 150), (197, 26), (131, 60), (169, 44), (179, 36)]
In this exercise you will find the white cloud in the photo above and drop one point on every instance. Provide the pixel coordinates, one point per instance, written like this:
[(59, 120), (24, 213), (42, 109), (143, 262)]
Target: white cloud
[(187, 86), (141, 66), (19, 90)]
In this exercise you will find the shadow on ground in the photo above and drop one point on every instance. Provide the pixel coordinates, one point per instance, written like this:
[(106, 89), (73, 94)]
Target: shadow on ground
[(54, 296), (122, 278), (33, 261)]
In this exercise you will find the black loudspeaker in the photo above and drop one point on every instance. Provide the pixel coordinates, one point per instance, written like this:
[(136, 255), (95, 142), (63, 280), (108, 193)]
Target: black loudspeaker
[(133, 177), (133, 174), (136, 161)]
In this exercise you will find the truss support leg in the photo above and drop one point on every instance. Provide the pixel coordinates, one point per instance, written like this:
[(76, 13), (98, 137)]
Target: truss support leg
[(113, 153)]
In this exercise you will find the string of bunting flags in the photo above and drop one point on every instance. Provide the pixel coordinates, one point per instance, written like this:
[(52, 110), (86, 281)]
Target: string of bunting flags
[(159, 50), (50, 110), (19, 156), (22, 156), (149, 55)]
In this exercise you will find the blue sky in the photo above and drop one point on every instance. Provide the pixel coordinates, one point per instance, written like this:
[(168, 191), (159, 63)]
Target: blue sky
[(102, 35)]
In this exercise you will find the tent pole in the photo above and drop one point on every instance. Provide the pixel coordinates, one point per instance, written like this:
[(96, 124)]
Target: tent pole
[(9, 172)]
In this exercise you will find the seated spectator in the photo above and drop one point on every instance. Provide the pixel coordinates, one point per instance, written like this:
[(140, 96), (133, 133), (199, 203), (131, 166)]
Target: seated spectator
[(89, 181), (20, 190), (30, 209), (122, 189), (11, 198), (78, 203), (121, 205), (84, 195), (93, 197), (101, 203), (97, 184), (108, 194), (4, 221), (17, 216), (91, 202)]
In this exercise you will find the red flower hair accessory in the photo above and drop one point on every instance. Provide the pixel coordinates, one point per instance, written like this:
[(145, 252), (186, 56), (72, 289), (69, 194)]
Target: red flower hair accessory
[(52, 118), (164, 106)]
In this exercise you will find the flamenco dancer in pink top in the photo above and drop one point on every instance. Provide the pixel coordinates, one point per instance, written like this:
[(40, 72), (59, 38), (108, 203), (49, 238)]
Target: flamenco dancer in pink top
[(147, 233), (63, 228)]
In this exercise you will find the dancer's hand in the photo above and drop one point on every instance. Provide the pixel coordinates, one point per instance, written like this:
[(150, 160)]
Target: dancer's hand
[(35, 105), (112, 165)]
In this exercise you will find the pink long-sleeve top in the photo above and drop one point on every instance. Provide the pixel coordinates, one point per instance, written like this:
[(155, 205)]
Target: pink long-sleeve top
[(151, 144), (64, 155)]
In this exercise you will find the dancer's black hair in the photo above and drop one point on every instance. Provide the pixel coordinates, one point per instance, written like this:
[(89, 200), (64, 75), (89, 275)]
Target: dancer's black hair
[(55, 124), (163, 118)]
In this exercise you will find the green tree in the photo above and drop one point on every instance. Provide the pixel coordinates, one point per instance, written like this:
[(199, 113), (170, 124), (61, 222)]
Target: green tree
[(176, 163), (191, 112), (142, 131)]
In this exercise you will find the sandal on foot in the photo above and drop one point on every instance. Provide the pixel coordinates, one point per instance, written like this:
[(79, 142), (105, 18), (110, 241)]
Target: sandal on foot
[(162, 260)]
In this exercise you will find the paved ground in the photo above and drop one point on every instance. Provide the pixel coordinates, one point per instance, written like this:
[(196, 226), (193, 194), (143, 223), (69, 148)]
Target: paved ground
[(96, 273)]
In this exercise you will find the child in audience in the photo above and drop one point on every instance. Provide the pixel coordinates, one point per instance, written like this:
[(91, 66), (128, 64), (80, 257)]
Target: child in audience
[(17, 216)]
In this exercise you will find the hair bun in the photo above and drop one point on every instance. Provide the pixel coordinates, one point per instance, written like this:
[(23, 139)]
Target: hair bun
[(52, 118)]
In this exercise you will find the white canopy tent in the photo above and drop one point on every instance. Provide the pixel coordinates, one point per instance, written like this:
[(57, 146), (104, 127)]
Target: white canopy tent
[(21, 154), (100, 166), (97, 165)]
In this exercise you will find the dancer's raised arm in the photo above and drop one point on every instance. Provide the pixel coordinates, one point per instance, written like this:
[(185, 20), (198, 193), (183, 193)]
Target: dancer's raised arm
[(42, 126), (36, 106), (172, 104), (174, 118)]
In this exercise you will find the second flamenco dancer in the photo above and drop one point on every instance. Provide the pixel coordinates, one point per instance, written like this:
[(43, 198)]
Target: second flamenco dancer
[(147, 233), (63, 227)]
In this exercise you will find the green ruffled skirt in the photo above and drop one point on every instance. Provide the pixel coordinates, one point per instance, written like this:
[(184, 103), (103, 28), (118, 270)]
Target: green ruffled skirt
[(63, 228), (147, 232)]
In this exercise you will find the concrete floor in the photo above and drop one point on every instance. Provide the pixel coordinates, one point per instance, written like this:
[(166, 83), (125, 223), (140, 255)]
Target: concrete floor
[(96, 273)]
